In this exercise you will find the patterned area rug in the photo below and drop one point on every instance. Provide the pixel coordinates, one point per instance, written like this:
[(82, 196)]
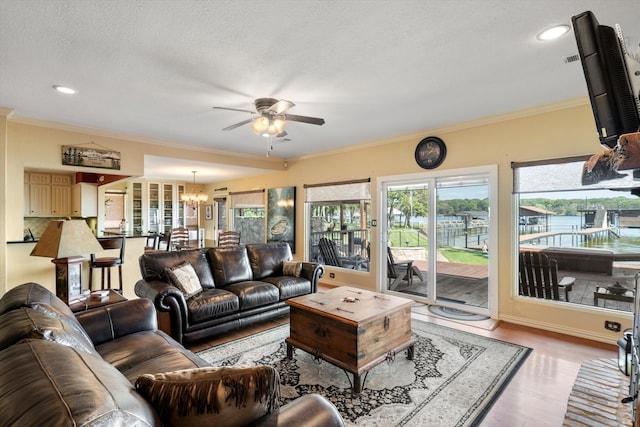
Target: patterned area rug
[(453, 380), (452, 313)]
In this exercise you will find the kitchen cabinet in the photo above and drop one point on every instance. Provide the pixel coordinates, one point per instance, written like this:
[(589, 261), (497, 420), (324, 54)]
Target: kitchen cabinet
[(47, 195), (61, 200), (39, 200), (85, 200)]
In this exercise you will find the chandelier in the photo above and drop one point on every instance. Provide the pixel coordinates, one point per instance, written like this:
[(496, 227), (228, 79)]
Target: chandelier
[(193, 199)]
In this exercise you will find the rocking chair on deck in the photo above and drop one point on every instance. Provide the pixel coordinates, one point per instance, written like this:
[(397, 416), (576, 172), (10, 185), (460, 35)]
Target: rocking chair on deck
[(399, 271), (539, 277), (330, 256)]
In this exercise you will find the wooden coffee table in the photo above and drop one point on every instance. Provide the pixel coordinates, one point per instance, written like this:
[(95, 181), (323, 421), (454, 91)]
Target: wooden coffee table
[(351, 328)]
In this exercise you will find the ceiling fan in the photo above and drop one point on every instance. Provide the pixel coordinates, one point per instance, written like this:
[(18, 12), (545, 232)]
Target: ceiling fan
[(272, 117)]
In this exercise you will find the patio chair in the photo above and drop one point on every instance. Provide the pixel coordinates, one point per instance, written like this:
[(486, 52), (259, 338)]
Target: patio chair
[(331, 256), (539, 277), (400, 271), (229, 238)]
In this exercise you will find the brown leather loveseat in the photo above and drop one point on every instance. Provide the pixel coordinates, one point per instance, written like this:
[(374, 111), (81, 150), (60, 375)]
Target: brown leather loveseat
[(235, 286), (111, 366)]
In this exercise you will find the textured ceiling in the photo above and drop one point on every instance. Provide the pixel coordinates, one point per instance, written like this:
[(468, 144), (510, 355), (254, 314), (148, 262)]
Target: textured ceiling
[(372, 69)]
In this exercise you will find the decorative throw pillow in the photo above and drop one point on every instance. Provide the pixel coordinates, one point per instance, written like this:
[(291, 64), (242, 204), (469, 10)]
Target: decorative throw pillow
[(291, 268), (230, 396), (184, 277)]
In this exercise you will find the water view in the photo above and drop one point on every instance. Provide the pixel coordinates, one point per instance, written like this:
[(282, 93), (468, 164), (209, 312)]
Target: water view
[(628, 242)]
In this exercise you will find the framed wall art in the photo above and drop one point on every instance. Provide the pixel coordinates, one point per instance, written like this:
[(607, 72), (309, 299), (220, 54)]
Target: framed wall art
[(208, 212), (90, 157), (281, 216)]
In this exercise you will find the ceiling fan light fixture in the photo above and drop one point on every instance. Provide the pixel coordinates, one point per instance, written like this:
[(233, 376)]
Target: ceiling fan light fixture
[(265, 127), (260, 125)]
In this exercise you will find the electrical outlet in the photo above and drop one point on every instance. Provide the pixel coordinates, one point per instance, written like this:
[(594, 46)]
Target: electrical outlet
[(612, 326), (332, 275)]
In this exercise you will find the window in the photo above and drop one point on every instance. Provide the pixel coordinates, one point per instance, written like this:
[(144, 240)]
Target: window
[(591, 232), (247, 215), (339, 212)]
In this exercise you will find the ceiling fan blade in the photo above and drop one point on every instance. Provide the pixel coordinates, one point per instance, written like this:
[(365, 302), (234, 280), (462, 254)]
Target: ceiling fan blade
[(303, 119), (233, 109), (281, 106), (237, 125), (282, 134)]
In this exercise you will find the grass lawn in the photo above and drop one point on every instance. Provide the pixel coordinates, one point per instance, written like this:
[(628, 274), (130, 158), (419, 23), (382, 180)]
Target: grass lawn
[(465, 256)]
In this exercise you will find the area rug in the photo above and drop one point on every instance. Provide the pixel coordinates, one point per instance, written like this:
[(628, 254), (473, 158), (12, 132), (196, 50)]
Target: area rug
[(452, 381), (454, 313)]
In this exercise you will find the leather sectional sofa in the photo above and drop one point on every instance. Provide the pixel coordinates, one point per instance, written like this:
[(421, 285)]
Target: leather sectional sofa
[(111, 366), (239, 286)]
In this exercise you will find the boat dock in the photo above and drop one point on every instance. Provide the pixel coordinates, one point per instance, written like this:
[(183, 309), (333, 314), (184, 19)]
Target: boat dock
[(587, 233)]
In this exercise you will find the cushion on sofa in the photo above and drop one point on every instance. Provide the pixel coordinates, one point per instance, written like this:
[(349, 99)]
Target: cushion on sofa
[(291, 268), (229, 396), (153, 264), (290, 286), (230, 265), (29, 323), (44, 383), (147, 352), (184, 277), (266, 258), (212, 303), (253, 294)]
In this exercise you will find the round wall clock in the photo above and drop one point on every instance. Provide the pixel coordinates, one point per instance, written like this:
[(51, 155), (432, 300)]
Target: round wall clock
[(430, 152)]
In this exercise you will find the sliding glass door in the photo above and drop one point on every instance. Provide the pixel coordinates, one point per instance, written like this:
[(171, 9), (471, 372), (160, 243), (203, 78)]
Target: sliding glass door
[(437, 237)]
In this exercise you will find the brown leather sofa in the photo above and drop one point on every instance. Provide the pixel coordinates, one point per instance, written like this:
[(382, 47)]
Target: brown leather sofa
[(91, 370), (241, 285)]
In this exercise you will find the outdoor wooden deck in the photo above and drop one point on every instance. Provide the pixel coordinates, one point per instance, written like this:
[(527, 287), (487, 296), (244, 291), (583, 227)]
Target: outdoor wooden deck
[(468, 283)]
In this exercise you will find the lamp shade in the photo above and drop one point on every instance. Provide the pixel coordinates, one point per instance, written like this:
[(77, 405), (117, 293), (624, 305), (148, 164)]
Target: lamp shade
[(66, 238)]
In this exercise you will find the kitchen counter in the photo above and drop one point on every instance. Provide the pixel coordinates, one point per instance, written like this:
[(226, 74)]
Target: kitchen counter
[(101, 234)]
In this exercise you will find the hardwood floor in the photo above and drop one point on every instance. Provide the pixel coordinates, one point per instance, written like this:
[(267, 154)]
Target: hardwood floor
[(537, 395)]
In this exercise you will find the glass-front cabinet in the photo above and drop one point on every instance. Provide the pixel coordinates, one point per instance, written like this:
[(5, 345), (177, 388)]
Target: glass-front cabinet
[(167, 207), (136, 206), (154, 208), (181, 222)]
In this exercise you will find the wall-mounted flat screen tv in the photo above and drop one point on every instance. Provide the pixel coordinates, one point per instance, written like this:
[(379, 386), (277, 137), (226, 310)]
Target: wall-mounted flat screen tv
[(612, 76)]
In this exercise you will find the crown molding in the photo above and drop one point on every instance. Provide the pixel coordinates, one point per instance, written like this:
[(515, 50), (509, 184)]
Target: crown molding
[(141, 139), (512, 115)]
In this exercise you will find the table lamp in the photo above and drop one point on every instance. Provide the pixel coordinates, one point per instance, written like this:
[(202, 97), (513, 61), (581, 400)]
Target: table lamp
[(66, 241)]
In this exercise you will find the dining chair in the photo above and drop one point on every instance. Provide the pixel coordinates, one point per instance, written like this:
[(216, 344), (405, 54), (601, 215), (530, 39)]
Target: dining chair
[(229, 238), (179, 239)]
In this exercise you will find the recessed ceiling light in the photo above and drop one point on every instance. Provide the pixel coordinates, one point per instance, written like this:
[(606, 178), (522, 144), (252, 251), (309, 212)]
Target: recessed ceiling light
[(553, 33), (65, 90)]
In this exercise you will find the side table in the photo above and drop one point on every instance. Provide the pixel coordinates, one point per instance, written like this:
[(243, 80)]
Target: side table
[(603, 293), (90, 302)]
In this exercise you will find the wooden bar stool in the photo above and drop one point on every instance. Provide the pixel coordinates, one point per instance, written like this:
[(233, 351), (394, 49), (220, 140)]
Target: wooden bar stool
[(105, 263)]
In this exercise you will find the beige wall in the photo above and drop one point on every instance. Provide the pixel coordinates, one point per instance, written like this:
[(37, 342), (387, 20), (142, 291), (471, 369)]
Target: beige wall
[(560, 130)]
